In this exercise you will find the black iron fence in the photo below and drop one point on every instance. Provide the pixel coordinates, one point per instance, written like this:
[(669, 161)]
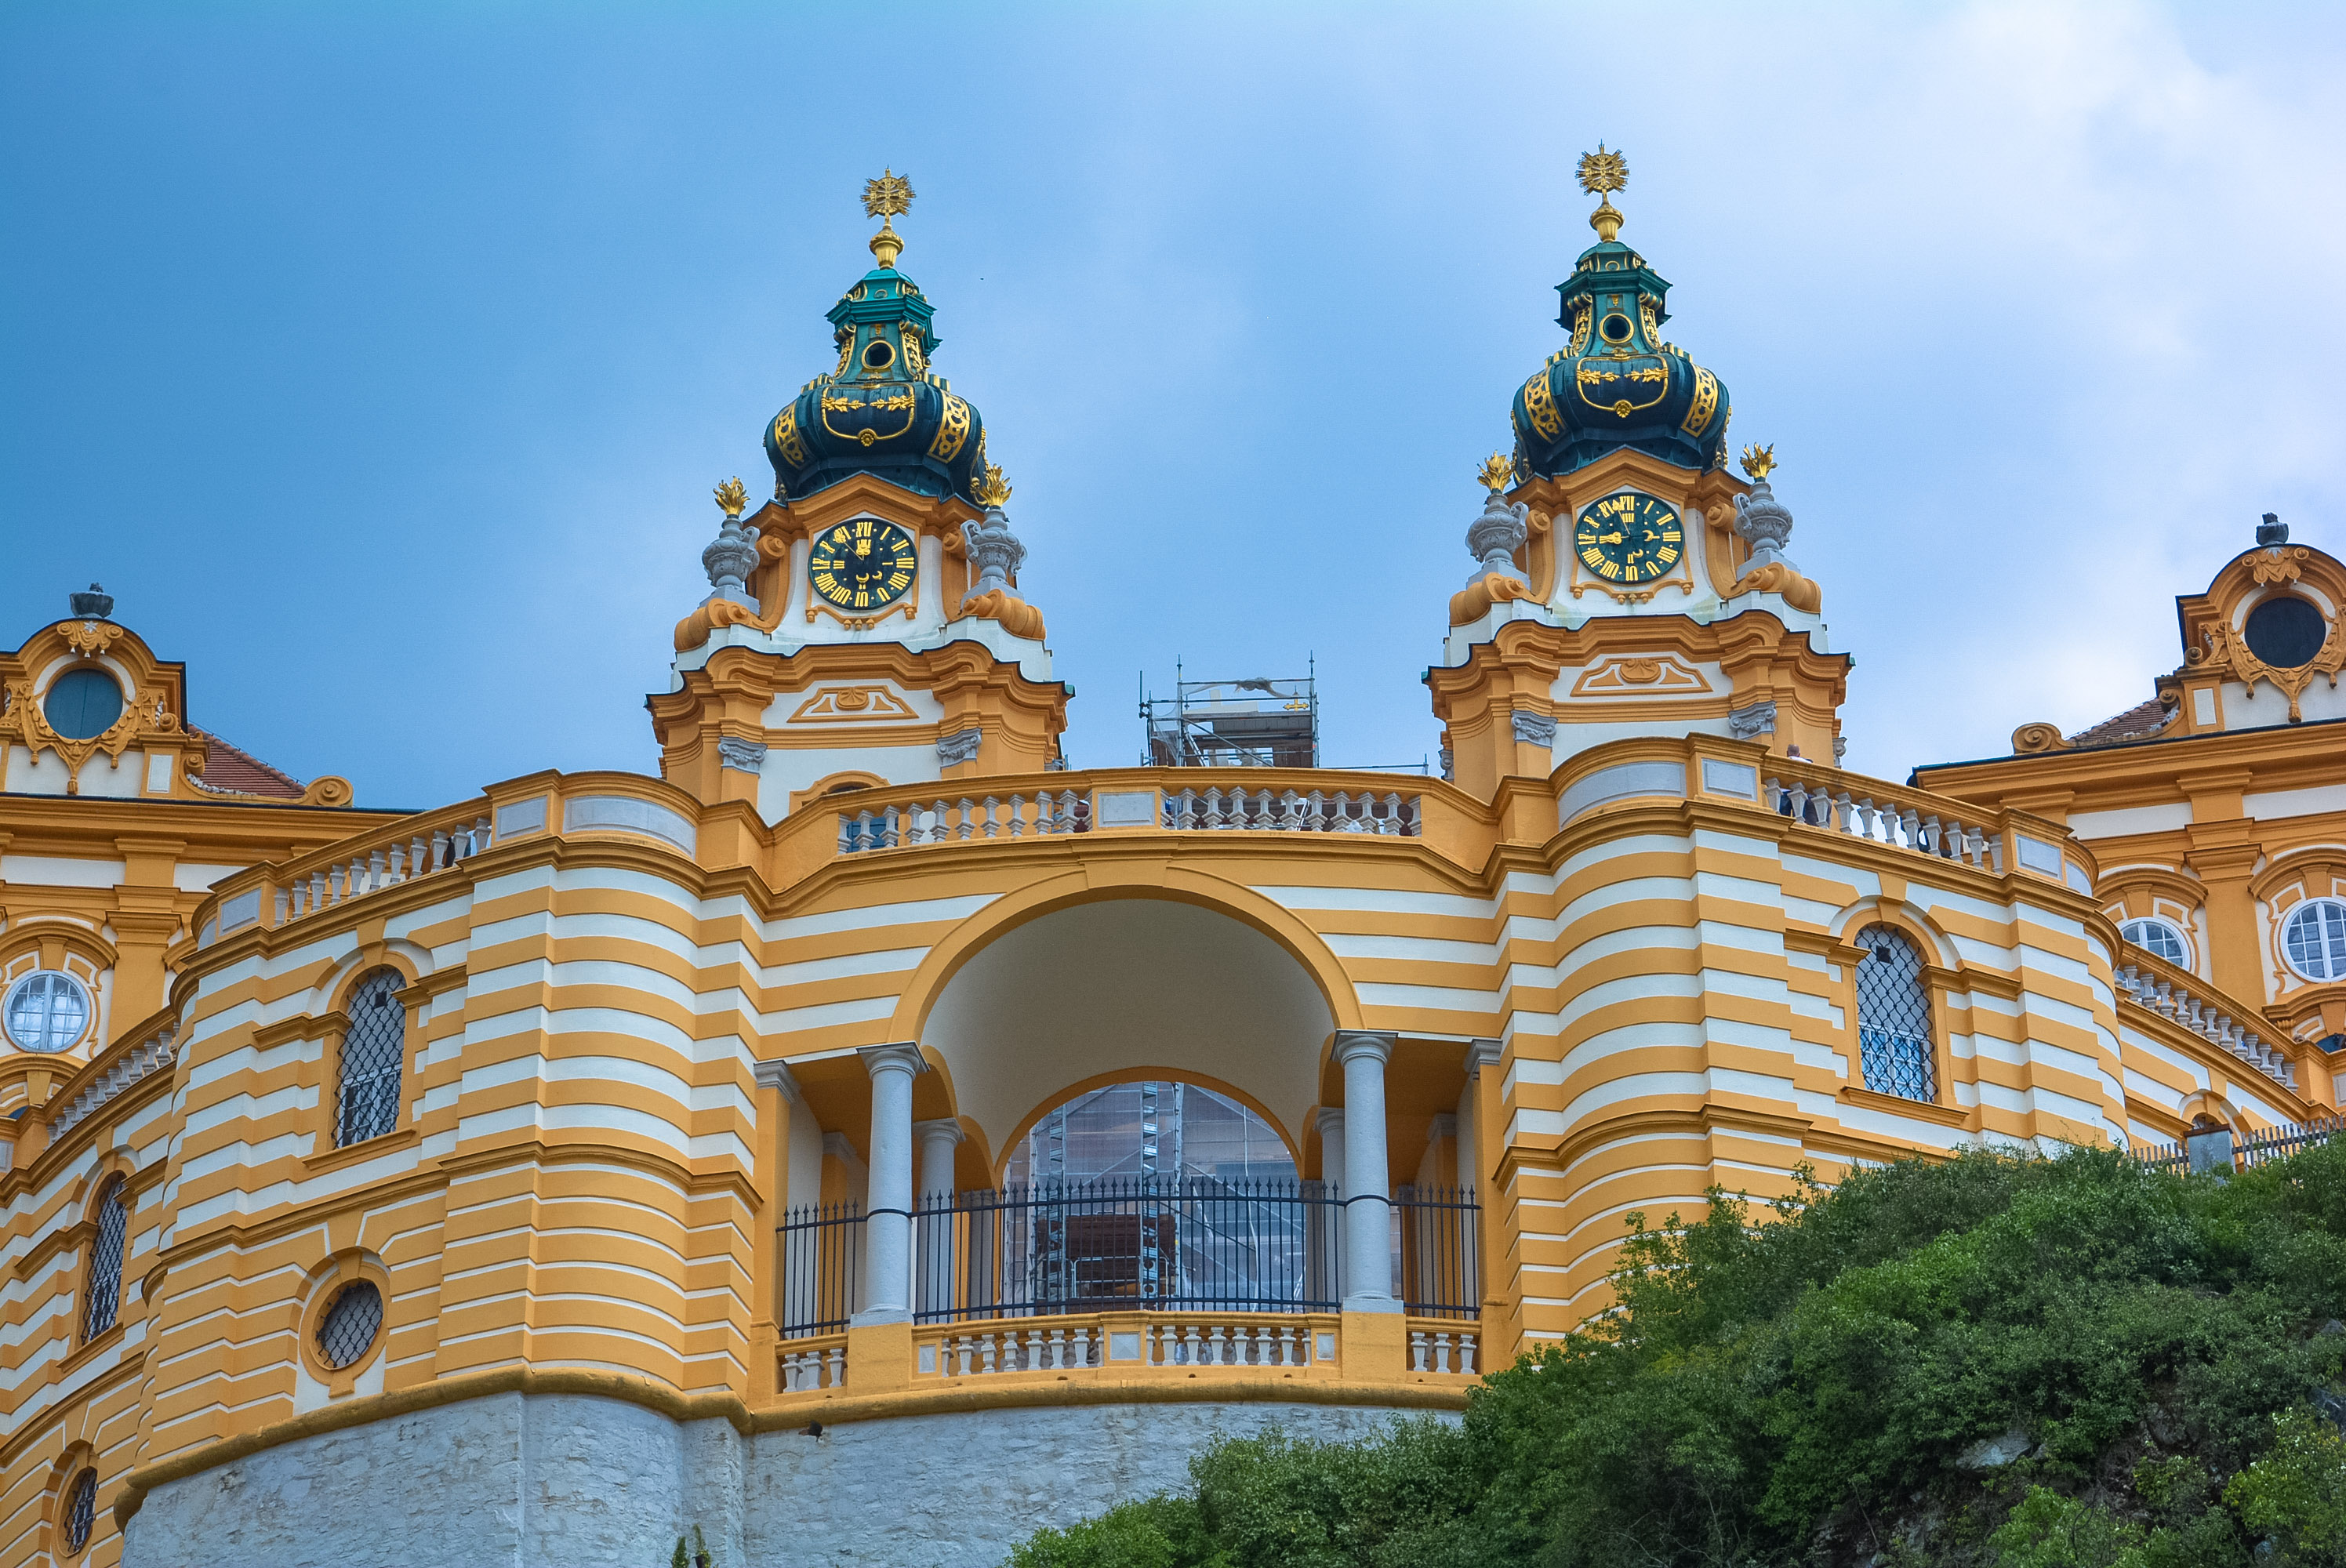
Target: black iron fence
[(1192, 1244)]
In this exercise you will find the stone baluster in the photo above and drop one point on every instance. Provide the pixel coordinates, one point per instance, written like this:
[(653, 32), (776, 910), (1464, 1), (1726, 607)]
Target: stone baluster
[(1290, 811), (1393, 823), (1018, 816), (847, 844), (1315, 813)]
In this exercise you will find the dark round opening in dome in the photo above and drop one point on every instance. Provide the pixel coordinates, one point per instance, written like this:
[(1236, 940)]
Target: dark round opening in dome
[(1616, 329), (879, 356), (2285, 632), (83, 703)]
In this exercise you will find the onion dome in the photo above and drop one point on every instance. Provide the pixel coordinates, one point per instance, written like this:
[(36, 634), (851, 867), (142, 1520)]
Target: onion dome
[(882, 410), (1617, 384)]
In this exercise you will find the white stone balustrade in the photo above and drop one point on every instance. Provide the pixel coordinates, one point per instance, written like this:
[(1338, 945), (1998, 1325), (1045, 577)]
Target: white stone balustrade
[(818, 1366), (1047, 814), (1925, 825), (2168, 994), (115, 1073), (1092, 1344), (384, 865), (1445, 1350), (1391, 814)]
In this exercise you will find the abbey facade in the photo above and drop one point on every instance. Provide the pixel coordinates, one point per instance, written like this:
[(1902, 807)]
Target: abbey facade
[(871, 1138)]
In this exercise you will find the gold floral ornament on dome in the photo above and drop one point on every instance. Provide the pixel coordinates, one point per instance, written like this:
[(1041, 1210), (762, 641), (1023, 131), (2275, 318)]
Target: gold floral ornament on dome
[(887, 198), (1601, 174), (991, 489), (732, 498), (1759, 462)]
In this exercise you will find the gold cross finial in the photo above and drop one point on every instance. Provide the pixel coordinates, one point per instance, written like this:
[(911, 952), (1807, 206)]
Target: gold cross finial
[(1601, 174), (883, 199)]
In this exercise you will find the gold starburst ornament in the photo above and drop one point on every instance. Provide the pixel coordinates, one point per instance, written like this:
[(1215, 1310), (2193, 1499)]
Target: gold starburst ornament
[(732, 497), (885, 199), (1601, 174), (1498, 470), (1759, 462)]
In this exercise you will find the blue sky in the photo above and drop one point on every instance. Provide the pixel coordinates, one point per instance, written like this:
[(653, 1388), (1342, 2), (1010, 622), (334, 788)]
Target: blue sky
[(380, 359)]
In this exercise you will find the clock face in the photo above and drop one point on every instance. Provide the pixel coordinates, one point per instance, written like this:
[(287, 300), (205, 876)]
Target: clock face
[(1628, 538), (863, 566)]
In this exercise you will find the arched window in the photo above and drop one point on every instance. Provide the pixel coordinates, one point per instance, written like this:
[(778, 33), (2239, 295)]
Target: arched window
[(1141, 1130), (105, 1297), (1893, 1016), (2157, 937), (374, 1050), (2314, 937), (81, 1510)]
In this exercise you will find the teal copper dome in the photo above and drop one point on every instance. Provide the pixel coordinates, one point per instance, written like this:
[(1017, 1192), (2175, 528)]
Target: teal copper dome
[(881, 411), (1616, 384)]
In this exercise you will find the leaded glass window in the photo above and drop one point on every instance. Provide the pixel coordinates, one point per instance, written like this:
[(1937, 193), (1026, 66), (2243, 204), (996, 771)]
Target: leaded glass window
[(351, 1324), (1893, 1016), (81, 1510), (374, 1050), (104, 1300), (2315, 938), (2155, 936)]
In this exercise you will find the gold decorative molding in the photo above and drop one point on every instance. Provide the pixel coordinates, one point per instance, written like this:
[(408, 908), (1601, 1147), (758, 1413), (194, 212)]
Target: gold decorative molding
[(853, 705), (1639, 677)]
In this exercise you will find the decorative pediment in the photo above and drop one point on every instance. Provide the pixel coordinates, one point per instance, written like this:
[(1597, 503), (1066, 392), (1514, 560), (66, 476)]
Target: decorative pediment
[(1660, 676), (853, 705)]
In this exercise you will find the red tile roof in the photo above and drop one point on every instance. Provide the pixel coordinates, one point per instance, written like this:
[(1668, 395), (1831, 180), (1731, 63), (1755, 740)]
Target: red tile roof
[(2139, 722), (229, 768)]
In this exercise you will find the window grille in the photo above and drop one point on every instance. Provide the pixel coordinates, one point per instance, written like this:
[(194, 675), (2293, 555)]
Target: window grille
[(1893, 1016), (81, 1510), (349, 1324), (374, 1050), (2156, 937), (47, 1011), (2315, 938), (106, 1262)]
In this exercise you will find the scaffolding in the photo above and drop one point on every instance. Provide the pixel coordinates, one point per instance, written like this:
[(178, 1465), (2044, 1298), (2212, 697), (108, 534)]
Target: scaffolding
[(1259, 723)]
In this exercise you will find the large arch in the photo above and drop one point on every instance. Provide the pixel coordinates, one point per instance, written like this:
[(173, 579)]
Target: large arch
[(1126, 982)]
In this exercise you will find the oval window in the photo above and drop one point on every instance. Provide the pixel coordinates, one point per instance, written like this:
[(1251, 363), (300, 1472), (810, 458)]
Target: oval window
[(82, 703), (2314, 937), (46, 1011), (879, 356), (2285, 632), (2155, 936), (1616, 329), (348, 1330)]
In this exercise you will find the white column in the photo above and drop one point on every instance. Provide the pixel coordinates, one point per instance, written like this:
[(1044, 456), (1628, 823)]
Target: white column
[(1327, 1224), (888, 1213), (1368, 1194), (934, 1266)]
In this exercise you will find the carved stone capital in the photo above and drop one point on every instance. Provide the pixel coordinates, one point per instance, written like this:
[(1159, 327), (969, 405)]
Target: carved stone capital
[(1534, 728), (741, 756), (1758, 719), (961, 747)]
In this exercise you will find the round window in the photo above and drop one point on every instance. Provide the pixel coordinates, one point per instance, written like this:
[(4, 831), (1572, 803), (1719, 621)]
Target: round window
[(351, 1324), (2285, 632), (83, 703), (81, 1510), (2155, 936), (45, 1011), (1616, 329), (879, 356), (2314, 937)]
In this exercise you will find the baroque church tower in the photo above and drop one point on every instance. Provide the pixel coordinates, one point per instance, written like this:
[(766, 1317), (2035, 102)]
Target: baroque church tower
[(1625, 583), (863, 627)]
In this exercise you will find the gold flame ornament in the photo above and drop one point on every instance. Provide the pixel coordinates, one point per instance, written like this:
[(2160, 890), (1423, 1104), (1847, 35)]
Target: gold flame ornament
[(993, 490), (885, 199), (1601, 174), (732, 497), (1759, 462), (1497, 471)]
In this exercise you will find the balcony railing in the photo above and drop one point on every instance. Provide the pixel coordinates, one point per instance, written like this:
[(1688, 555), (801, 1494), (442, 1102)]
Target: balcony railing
[(1048, 813), (1151, 1245), (1905, 819), (1289, 812), (2172, 992)]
